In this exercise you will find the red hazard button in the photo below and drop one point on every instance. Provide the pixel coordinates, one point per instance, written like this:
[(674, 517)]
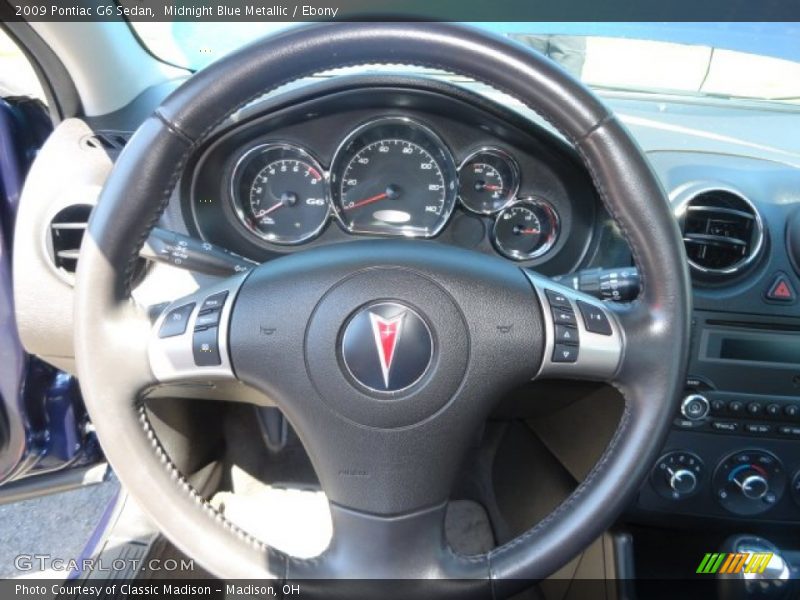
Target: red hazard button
[(781, 289)]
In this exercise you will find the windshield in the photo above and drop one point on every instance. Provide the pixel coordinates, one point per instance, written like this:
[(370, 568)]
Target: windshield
[(759, 61)]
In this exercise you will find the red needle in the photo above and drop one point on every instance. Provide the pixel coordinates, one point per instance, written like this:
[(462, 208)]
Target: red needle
[(272, 208), (365, 201), (492, 188), (529, 231)]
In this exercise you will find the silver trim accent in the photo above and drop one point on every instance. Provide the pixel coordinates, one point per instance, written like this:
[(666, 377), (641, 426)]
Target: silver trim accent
[(683, 195), (172, 359), (335, 195), (503, 155), (548, 243), (599, 356), (691, 398), (302, 155)]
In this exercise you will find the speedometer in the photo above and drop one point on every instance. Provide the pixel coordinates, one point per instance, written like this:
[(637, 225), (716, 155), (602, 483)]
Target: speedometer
[(393, 176)]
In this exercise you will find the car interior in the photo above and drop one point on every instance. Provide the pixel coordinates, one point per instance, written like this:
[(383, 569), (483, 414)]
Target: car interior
[(403, 301)]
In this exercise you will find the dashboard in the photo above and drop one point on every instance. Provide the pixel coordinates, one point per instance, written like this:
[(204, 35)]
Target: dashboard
[(419, 159), (364, 156)]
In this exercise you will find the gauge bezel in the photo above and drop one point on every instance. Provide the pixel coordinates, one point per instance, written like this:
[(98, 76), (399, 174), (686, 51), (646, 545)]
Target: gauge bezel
[(444, 156), (301, 154), (515, 172), (550, 241)]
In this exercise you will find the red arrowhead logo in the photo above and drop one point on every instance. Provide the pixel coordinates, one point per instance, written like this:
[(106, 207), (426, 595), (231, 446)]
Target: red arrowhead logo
[(386, 332)]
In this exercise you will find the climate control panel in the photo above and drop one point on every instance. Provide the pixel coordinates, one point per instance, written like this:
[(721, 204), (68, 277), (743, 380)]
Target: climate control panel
[(707, 475)]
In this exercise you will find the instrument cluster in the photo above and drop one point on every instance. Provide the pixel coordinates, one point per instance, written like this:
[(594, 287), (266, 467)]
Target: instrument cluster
[(391, 176)]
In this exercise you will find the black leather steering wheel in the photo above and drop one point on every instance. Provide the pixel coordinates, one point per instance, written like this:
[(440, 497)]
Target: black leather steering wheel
[(386, 459)]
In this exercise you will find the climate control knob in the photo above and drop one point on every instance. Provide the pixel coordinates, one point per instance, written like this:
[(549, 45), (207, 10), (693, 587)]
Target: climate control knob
[(749, 482), (683, 481), (754, 487), (677, 475)]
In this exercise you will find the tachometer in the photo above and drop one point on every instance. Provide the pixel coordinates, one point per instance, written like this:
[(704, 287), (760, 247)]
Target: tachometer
[(280, 194), (393, 176)]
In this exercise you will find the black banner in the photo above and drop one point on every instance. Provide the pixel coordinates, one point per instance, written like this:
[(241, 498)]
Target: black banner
[(399, 10)]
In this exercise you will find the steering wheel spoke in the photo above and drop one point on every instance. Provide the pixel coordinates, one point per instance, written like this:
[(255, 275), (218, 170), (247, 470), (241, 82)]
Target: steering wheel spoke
[(407, 546), (189, 341), (583, 338)]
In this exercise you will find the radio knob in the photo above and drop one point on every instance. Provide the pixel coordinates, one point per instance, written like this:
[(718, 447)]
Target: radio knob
[(695, 407), (754, 487), (683, 481)]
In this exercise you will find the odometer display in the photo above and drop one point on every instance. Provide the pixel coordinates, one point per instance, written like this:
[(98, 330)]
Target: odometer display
[(393, 177)]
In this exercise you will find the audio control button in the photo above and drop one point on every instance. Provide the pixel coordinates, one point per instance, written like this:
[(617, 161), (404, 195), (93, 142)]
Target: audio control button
[(695, 407)]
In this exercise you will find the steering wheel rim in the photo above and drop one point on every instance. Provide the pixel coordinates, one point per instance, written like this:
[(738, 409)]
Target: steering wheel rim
[(655, 327)]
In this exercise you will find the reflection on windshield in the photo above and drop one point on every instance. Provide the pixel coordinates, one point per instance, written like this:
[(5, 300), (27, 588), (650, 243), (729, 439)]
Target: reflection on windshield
[(746, 60)]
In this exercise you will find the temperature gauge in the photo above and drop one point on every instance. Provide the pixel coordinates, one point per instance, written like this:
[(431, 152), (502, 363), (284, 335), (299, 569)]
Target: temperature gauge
[(525, 230), (488, 181)]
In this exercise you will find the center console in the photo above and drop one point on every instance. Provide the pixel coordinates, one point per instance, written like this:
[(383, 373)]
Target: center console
[(734, 448)]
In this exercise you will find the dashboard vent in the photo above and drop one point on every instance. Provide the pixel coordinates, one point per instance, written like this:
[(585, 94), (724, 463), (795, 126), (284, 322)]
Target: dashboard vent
[(66, 234), (722, 232), (109, 141)]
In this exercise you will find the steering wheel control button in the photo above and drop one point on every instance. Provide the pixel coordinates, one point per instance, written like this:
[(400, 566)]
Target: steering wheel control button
[(566, 335), (387, 347), (781, 290), (207, 318), (176, 321), (695, 407), (564, 317), (563, 353), (557, 299), (205, 347), (214, 301), (594, 319)]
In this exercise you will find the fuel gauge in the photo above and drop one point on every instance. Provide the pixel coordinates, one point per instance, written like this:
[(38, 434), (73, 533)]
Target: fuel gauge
[(488, 181), (525, 230)]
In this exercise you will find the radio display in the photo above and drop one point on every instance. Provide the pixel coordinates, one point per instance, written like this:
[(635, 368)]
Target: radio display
[(776, 349)]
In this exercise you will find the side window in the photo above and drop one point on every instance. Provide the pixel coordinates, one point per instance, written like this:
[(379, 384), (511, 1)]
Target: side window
[(17, 77)]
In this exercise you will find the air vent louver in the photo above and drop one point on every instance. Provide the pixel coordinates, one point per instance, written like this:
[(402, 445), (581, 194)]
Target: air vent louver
[(722, 232), (108, 141), (66, 234)]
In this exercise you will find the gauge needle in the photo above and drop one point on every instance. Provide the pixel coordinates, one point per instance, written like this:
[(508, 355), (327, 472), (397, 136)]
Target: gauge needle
[(492, 188), (272, 208), (529, 231), (366, 201), (287, 199)]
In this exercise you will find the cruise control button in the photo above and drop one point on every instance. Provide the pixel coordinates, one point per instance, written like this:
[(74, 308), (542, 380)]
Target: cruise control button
[(594, 318), (566, 335), (176, 321), (774, 410), (205, 348), (207, 318), (557, 299), (565, 317), (215, 301), (562, 353), (735, 407), (792, 411)]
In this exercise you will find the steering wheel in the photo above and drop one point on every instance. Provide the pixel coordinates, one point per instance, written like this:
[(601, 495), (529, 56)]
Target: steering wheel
[(386, 356)]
